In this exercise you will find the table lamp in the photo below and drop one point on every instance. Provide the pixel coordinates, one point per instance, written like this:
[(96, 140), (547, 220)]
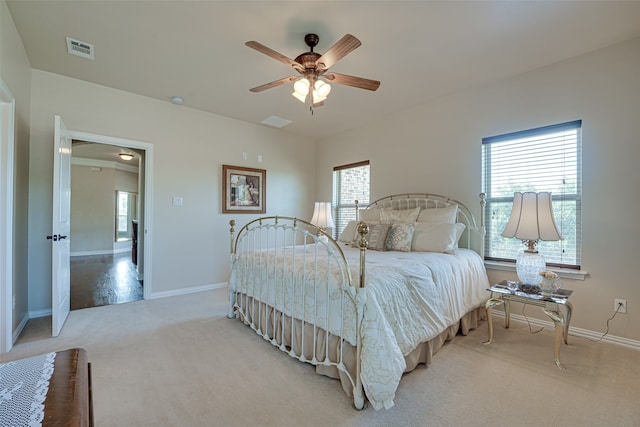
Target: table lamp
[(322, 217), (531, 220)]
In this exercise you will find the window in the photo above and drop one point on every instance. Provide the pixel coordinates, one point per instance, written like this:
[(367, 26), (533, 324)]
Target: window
[(542, 159), (350, 183), (125, 213)]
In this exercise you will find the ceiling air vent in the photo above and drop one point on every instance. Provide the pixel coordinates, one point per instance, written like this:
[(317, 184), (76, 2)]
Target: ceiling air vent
[(78, 48)]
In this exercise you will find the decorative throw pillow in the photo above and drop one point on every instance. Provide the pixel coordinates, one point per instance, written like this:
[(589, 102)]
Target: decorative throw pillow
[(349, 232), (356, 236), (400, 237), (436, 237), (377, 236), (399, 215), (367, 215), (442, 215)]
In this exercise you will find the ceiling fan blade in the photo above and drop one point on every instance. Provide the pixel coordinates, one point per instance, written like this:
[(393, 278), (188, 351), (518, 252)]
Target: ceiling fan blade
[(272, 53), (274, 84), (358, 82), (345, 45)]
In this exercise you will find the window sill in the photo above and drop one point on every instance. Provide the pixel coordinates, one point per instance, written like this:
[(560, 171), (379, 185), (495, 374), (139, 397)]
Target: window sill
[(565, 273)]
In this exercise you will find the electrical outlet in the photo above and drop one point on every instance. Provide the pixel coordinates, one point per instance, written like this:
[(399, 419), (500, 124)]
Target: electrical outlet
[(622, 303)]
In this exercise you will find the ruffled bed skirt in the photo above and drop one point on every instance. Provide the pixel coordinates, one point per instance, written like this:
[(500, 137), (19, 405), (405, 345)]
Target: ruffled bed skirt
[(422, 354), (316, 341)]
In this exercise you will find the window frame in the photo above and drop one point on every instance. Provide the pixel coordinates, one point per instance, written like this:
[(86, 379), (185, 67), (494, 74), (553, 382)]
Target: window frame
[(131, 214), (341, 207), (562, 201)]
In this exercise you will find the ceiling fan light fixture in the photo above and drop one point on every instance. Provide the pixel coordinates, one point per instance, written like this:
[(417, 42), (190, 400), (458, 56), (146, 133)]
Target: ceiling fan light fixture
[(301, 98), (317, 99), (301, 86), (322, 88)]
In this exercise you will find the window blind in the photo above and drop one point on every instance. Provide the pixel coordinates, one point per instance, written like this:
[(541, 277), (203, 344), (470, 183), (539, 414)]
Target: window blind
[(542, 159)]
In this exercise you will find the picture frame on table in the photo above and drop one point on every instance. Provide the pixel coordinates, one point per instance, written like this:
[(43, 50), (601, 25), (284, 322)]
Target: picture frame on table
[(244, 190)]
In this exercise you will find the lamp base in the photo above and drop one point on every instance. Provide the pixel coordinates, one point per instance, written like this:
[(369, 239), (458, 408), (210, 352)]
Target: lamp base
[(528, 266)]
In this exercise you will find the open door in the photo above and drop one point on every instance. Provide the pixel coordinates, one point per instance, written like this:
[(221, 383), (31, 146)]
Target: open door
[(60, 267)]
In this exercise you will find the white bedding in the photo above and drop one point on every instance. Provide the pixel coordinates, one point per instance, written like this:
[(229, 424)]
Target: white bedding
[(410, 298)]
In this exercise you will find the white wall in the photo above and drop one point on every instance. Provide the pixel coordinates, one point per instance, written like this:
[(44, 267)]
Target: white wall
[(190, 243), (436, 148), (93, 206)]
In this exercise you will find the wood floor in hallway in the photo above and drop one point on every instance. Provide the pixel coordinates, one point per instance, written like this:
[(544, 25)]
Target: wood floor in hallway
[(98, 280)]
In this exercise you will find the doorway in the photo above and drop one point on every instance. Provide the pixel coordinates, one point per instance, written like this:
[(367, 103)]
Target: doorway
[(143, 268), (105, 187)]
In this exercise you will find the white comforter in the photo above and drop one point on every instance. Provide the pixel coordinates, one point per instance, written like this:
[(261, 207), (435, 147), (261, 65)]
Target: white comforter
[(410, 298)]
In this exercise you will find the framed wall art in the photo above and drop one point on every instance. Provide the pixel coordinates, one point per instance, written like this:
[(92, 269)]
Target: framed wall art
[(244, 190)]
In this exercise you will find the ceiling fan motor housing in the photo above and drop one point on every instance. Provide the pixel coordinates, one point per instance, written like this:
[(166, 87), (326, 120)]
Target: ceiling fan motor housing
[(308, 59)]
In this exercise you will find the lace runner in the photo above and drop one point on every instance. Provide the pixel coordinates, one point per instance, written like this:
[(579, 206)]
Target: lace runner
[(23, 389)]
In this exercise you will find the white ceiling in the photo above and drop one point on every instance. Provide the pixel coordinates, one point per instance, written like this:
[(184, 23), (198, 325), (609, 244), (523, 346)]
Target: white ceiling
[(419, 50)]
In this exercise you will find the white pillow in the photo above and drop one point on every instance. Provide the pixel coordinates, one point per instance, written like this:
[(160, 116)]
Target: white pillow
[(349, 232), (400, 237), (436, 237), (399, 215), (442, 215), (367, 215)]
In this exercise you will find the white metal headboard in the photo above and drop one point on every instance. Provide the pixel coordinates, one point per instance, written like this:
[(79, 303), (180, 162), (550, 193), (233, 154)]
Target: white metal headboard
[(473, 237)]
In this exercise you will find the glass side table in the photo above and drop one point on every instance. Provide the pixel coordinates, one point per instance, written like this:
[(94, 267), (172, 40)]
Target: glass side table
[(555, 305)]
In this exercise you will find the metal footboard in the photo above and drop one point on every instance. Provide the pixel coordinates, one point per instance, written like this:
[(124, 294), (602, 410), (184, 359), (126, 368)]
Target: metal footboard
[(290, 282)]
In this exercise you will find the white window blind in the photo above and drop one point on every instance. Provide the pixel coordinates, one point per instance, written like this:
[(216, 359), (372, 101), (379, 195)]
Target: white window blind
[(350, 183), (542, 159)]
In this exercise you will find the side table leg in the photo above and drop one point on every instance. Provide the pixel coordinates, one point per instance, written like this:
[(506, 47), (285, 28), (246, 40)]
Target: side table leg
[(567, 319), (559, 323), (492, 302), (507, 313)]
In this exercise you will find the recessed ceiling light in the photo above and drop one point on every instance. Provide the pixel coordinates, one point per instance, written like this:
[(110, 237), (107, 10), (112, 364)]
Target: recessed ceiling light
[(126, 156), (275, 121), (177, 100)]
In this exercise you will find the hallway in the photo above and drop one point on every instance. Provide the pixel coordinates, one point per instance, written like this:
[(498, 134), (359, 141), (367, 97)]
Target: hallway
[(98, 280)]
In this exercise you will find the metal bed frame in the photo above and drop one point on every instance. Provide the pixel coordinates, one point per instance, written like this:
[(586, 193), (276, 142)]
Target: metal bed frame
[(273, 235)]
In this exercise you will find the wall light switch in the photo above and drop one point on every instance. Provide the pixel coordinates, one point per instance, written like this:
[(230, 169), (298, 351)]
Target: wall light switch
[(244, 155), (177, 201), (260, 158)]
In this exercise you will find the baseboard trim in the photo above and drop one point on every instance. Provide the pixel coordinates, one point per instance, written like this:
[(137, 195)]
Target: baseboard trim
[(102, 252), (186, 291), (578, 332), (39, 313)]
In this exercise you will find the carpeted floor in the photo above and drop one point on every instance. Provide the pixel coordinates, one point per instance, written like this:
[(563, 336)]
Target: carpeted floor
[(180, 362)]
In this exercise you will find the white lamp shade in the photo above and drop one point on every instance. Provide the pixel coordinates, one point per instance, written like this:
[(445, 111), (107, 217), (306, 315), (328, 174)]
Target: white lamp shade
[(322, 215), (301, 87), (301, 98), (532, 218), (322, 88)]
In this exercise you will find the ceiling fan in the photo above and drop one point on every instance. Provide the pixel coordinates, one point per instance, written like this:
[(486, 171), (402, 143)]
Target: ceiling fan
[(313, 68)]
